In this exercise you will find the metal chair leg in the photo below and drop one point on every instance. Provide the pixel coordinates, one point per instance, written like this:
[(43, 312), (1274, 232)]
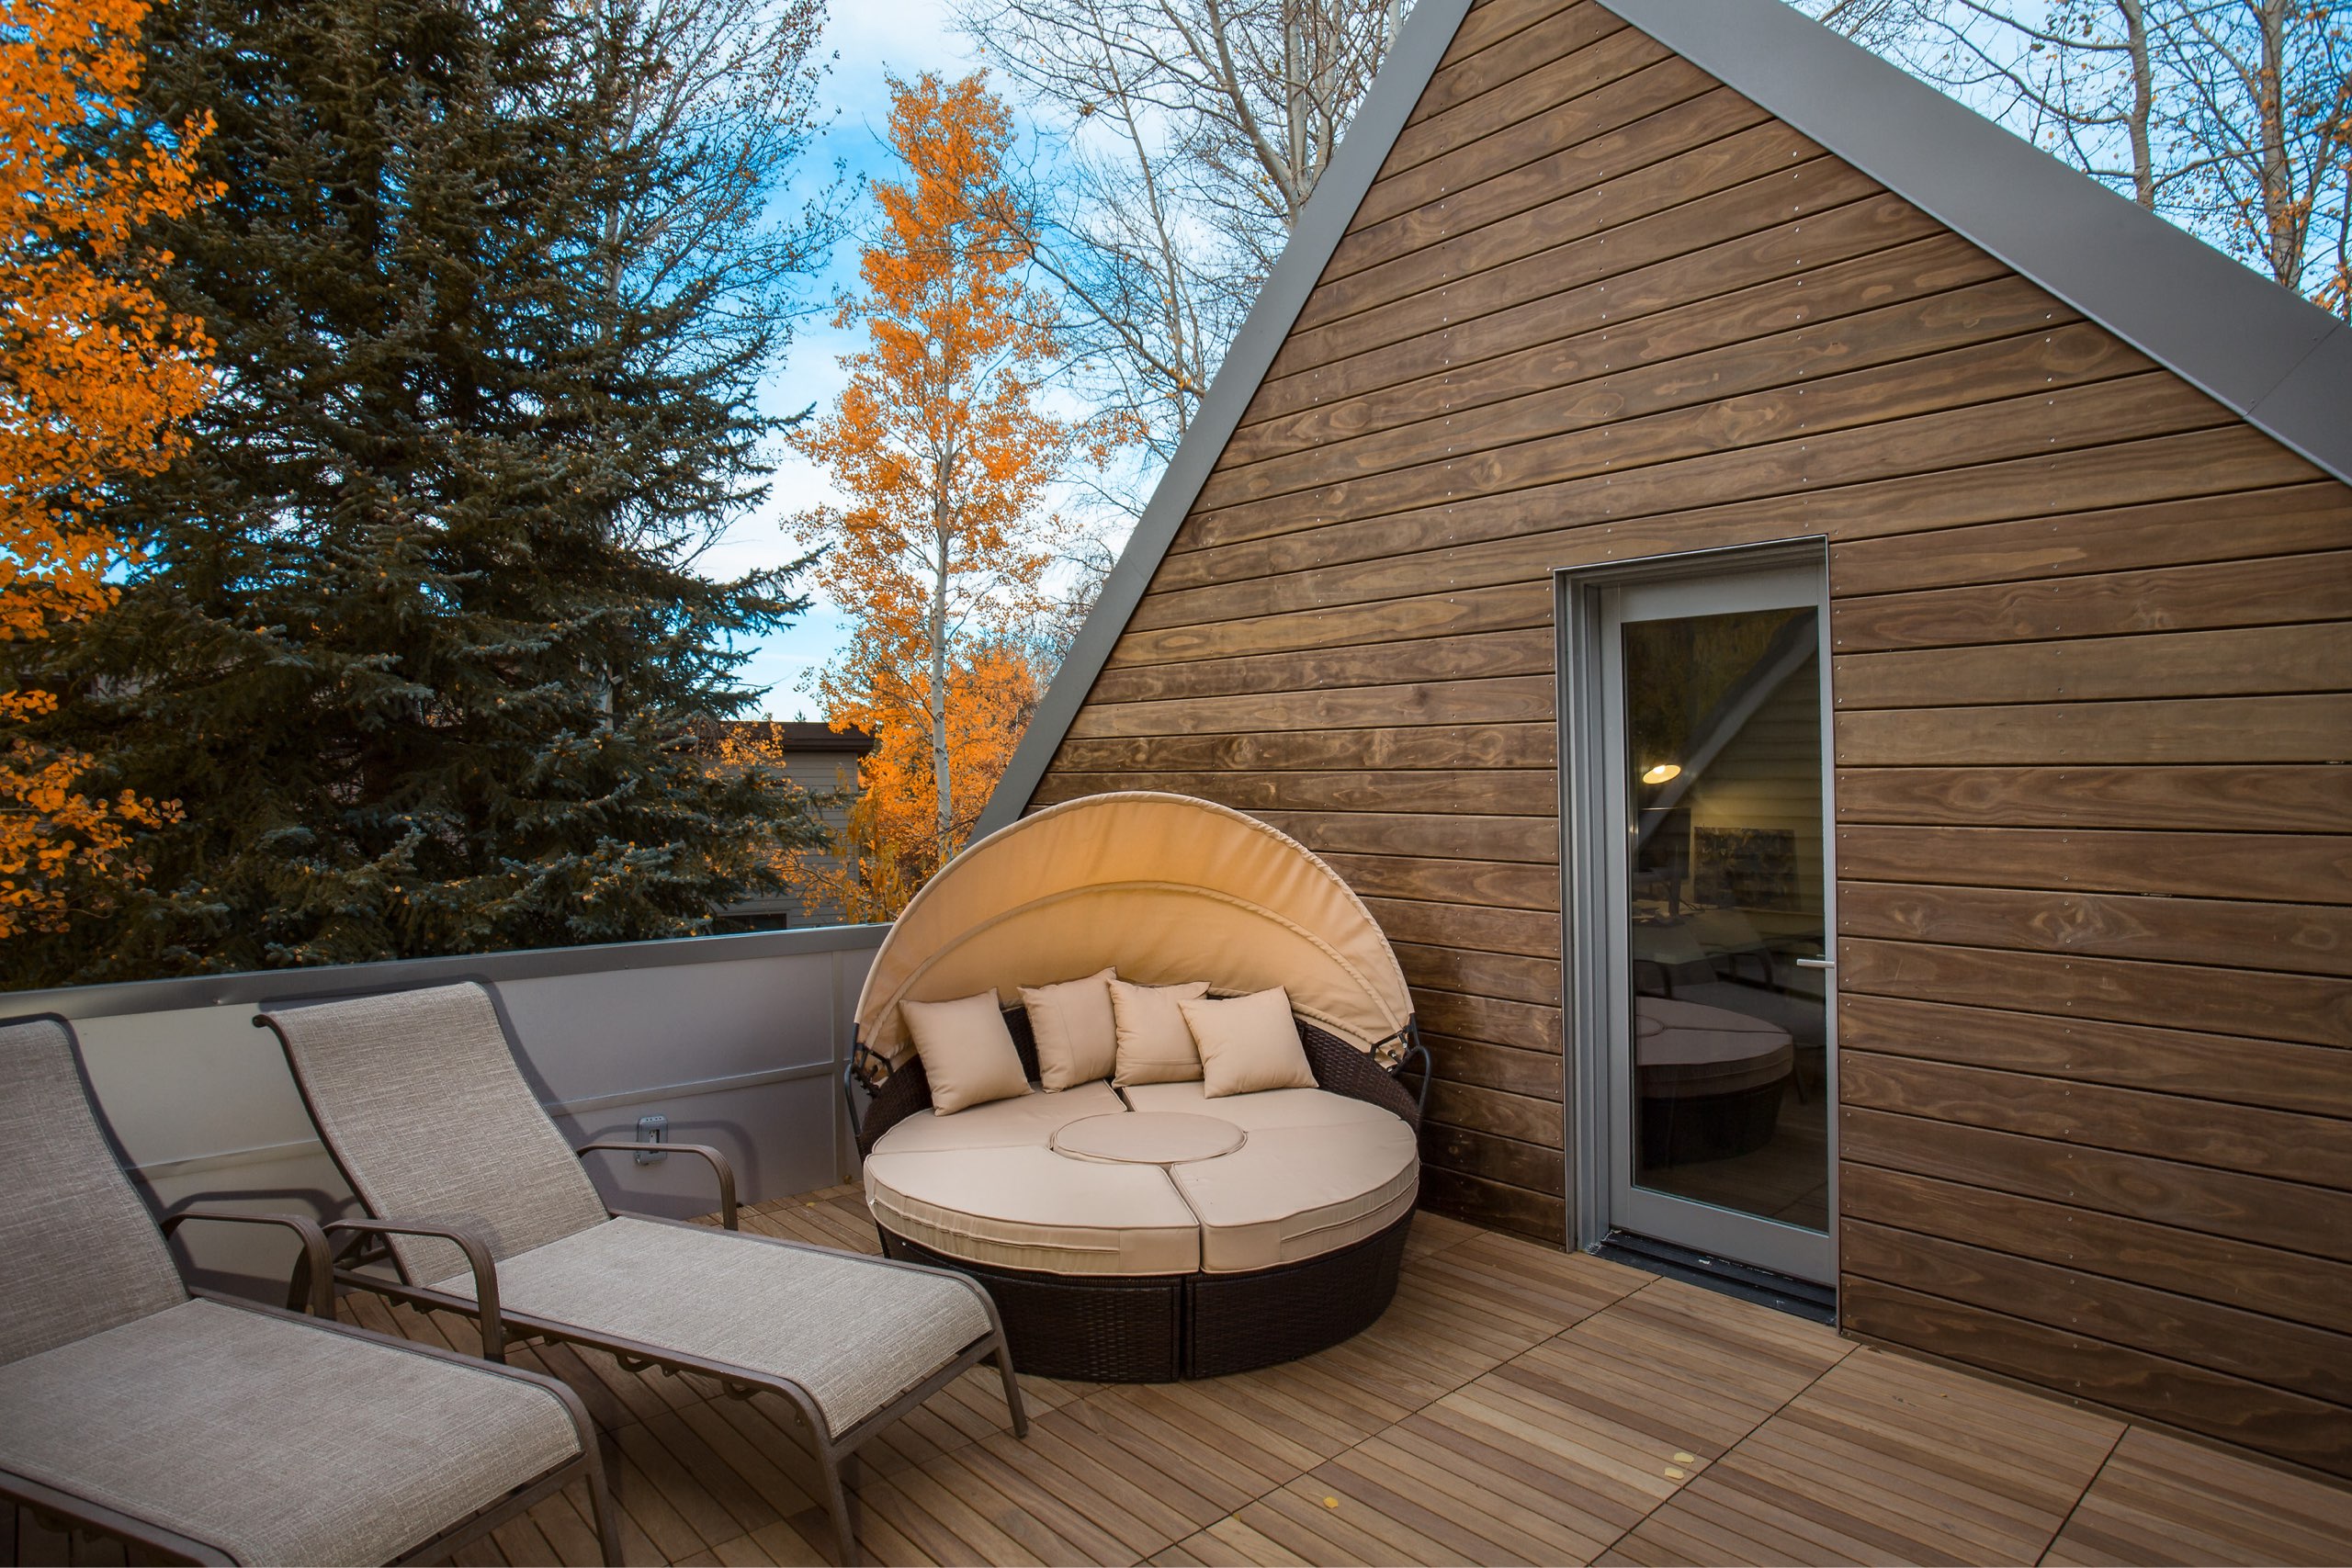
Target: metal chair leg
[(837, 1504), (1003, 1359), (608, 1524)]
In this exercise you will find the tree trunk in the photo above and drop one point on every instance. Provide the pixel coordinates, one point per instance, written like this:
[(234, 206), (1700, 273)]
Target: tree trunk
[(2282, 222), (936, 699), (2143, 101), (1295, 68)]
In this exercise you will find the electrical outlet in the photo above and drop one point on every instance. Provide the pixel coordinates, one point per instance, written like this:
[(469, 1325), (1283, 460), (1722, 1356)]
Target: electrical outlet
[(652, 1130)]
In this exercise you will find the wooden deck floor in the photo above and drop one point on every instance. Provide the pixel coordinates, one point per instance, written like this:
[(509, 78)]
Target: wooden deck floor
[(1517, 1404)]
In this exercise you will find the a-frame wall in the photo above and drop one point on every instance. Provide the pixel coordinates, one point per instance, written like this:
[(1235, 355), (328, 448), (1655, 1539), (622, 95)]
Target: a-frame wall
[(2088, 685)]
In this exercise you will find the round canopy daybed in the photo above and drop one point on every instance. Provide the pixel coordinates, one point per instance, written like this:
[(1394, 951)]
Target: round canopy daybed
[(1152, 1232)]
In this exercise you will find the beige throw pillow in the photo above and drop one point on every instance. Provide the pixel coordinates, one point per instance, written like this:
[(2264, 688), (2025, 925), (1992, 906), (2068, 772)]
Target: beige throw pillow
[(1078, 1038), (966, 1050), (1154, 1044), (1246, 1043)]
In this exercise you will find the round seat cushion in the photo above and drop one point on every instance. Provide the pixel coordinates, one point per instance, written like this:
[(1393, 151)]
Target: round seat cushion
[(1028, 1207), (1002, 1123), (1305, 1172), (1293, 1193), (1266, 1108), (1688, 1050), (1148, 1137)]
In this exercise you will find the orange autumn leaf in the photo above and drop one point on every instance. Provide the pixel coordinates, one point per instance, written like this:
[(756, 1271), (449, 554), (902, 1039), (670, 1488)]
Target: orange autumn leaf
[(94, 371)]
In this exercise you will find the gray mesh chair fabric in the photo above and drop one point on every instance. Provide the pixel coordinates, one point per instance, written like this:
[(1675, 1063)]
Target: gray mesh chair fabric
[(420, 1100), (272, 1438), (417, 1097), (263, 1436), (83, 1254), (854, 1333)]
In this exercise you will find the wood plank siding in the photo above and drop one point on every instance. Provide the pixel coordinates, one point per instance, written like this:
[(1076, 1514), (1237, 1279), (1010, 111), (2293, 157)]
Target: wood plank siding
[(2092, 691)]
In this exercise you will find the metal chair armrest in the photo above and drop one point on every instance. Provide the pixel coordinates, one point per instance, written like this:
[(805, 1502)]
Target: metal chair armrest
[(725, 1172), (851, 1084), (468, 1241), (1421, 1098), (313, 1276)]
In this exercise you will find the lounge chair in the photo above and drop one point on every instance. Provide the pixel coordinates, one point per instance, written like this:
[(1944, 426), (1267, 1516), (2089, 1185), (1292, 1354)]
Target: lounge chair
[(211, 1431), (419, 1099)]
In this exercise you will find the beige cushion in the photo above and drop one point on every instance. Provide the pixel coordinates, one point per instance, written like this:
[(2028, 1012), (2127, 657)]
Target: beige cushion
[(1320, 1171), (1077, 1038), (1154, 1045), (1147, 1137), (1291, 1193), (1033, 1119), (1267, 1107), (273, 1438), (966, 1050), (1030, 1208), (1246, 1043), (855, 1332)]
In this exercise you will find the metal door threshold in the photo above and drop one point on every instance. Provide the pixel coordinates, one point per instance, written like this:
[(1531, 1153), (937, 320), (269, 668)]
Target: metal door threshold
[(1799, 1298)]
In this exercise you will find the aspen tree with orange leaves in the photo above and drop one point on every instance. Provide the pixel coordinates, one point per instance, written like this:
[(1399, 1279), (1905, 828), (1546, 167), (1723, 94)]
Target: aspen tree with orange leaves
[(947, 459), (887, 850), (94, 371)]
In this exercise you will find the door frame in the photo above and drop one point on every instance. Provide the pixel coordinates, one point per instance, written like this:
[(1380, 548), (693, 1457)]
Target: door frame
[(1588, 906)]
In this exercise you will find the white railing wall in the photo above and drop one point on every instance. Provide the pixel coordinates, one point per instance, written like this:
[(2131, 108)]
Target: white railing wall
[(738, 1040)]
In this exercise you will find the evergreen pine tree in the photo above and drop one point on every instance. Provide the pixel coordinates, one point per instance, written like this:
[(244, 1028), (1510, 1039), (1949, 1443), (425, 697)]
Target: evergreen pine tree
[(416, 643)]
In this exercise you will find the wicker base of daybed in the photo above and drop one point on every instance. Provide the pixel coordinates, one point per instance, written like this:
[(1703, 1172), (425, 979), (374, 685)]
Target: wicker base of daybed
[(1163, 1328), (1682, 1130)]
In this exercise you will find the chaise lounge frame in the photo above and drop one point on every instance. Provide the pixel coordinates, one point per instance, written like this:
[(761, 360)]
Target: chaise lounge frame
[(311, 1301), (500, 1328), (60, 1508)]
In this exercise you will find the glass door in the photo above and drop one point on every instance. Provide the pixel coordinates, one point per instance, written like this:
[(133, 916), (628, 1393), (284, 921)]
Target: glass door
[(1718, 1071)]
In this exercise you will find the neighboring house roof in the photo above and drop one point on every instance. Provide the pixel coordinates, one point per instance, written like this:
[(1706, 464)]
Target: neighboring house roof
[(796, 734), (2278, 361)]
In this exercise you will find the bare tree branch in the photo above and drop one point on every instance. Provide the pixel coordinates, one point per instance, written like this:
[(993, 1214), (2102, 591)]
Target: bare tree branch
[(1190, 135), (2231, 117)]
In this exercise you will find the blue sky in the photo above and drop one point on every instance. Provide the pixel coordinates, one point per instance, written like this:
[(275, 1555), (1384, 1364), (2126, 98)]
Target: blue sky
[(873, 42)]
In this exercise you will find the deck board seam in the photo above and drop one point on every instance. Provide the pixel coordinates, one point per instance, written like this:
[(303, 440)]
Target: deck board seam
[(2122, 1430), (1729, 1448)]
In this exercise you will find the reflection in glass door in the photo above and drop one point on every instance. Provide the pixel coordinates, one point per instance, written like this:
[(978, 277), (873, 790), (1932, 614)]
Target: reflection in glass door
[(1718, 1071)]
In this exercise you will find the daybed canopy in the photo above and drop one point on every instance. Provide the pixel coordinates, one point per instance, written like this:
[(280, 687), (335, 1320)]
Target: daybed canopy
[(1165, 887)]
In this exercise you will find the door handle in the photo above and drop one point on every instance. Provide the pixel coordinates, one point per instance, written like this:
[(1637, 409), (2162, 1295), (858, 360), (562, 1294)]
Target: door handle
[(1816, 963)]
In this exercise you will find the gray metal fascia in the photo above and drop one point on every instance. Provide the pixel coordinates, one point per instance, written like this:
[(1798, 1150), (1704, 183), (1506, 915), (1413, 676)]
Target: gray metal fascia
[(2262, 350), (247, 987), (1386, 104)]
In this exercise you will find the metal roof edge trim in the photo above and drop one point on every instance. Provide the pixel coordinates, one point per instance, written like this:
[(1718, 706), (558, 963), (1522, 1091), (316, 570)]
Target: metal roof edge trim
[(1386, 104), (2263, 351)]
